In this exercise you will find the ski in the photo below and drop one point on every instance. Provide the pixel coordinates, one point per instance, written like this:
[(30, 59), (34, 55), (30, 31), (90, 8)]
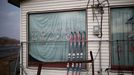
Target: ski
[(70, 52), (75, 53), (84, 45), (77, 50), (82, 48), (80, 51)]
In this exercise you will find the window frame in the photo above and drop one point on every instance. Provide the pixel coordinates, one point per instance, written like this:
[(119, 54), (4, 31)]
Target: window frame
[(116, 68), (30, 64)]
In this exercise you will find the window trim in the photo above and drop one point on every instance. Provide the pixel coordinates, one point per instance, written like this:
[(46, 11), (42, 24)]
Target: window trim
[(50, 66), (117, 68)]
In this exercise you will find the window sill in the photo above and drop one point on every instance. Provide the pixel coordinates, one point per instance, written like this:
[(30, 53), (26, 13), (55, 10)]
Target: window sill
[(117, 68), (56, 65)]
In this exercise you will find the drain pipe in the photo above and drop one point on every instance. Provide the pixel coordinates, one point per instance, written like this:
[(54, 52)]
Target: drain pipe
[(22, 69), (100, 62), (21, 58)]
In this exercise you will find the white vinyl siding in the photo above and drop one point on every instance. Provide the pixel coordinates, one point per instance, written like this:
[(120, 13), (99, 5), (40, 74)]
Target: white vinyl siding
[(61, 5)]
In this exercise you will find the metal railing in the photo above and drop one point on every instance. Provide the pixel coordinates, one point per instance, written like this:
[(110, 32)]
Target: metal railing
[(117, 49)]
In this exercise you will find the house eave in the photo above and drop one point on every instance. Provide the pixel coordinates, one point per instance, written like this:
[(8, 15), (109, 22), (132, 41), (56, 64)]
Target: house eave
[(15, 2)]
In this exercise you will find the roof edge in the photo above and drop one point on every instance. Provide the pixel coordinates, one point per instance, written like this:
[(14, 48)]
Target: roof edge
[(15, 2)]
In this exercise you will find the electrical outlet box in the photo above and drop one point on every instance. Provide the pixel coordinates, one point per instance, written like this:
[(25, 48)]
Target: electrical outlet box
[(96, 30)]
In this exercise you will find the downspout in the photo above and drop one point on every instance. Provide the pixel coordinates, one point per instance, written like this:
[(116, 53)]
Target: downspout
[(21, 58), (22, 69), (100, 62), (100, 36)]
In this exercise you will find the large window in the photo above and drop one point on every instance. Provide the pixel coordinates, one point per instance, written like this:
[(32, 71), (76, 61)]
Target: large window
[(49, 34), (122, 26)]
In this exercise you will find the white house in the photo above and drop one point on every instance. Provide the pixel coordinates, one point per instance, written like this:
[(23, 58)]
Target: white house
[(113, 52)]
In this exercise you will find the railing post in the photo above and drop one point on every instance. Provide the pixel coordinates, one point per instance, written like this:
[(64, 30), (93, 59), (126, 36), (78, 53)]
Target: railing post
[(92, 62), (39, 69)]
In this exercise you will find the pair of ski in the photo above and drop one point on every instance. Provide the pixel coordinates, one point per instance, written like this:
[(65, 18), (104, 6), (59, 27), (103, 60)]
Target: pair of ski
[(76, 52)]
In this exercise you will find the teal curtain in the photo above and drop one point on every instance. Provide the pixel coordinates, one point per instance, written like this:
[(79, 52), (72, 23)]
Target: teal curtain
[(122, 29), (46, 28)]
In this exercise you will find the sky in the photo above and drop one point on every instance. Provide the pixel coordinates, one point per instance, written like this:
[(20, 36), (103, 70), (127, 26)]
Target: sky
[(9, 20)]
